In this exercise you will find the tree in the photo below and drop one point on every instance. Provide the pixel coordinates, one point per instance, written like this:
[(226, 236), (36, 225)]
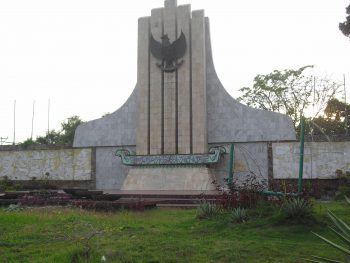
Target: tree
[(345, 26), (51, 137), (68, 129), (290, 92), (63, 137), (333, 120)]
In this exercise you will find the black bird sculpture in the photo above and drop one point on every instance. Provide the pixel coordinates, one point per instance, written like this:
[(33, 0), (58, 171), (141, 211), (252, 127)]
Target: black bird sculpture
[(168, 52)]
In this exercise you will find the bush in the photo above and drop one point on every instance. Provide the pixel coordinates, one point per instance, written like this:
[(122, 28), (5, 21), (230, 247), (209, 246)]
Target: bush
[(14, 208), (297, 208), (208, 210), (9, 185), (245, 193), (239, 215)]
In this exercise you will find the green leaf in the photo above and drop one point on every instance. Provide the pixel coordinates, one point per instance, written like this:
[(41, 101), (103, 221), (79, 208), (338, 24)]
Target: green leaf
[(342, 237), (347, 199), (322, 260), (342, 249), (340, 224)]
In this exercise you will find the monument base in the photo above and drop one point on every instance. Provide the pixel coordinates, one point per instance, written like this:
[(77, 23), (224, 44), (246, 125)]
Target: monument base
[(169, 178)]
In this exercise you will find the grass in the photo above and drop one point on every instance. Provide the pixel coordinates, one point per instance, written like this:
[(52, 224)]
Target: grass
[(163, 235)]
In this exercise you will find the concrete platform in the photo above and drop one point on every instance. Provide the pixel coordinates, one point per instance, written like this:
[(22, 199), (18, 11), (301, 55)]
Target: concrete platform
[(162, 193), (169, 178)]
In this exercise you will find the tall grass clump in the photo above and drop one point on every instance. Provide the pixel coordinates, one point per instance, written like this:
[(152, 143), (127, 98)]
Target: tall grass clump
[(297, 209), (208, 210), (238, 215)]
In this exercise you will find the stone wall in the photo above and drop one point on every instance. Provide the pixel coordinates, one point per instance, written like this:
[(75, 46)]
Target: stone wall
[(49, 163), (250, 159), (321, 159), (110, 172), (99, 167)]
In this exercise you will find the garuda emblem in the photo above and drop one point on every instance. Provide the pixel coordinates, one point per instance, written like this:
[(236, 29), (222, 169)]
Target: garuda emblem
[(168, 52)]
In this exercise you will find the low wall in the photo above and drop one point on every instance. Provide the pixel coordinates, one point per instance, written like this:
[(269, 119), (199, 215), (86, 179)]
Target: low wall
[(99, 168), (250, 159), (48, 163), (321, 159)]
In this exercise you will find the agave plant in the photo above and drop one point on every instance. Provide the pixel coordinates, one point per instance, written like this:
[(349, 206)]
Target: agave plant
[(297, 208), (239, 215), (207, 210), (342, 230)]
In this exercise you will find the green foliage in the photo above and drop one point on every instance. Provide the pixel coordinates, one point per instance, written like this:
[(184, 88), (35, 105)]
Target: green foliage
[(208, 210), (289, 91), (238, 215), (9, 185), (343, 190), (342, 231), (345, 26), (14, 208), (344, 184), (332, 121), (63, 137), (68, 129), (297, 209), (52, 137), (28, 142)]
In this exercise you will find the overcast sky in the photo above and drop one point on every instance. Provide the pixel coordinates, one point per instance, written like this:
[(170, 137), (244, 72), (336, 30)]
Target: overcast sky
[(81, 54)]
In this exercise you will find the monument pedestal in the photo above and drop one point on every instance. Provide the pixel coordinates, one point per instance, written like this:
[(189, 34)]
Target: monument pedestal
[(169, 178)]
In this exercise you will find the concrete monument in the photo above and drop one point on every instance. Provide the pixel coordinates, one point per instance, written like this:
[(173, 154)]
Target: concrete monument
[(172, 132)]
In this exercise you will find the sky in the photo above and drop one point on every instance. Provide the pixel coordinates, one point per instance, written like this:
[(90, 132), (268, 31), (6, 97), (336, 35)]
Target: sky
[(81, 55)]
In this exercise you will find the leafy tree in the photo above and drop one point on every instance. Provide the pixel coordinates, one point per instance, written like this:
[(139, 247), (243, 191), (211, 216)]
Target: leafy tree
[(52, 137), (333, 120), (63, 137), (345, 26), (68, 129), (290, 92)]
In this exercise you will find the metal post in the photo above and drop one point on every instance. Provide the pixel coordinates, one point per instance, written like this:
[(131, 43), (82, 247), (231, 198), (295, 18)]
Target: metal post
[(301, 160), (31, 134), (14, 123), (346, 110), (230, 165)]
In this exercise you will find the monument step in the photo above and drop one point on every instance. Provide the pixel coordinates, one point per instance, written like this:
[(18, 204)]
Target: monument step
[(163, 194), (165, 201), (178, 205)]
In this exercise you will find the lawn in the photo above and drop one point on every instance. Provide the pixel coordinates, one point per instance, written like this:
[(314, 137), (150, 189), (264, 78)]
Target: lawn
[(161, 235)]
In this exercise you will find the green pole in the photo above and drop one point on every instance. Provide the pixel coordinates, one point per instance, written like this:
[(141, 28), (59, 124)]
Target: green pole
[(230, 165), (301, 160)]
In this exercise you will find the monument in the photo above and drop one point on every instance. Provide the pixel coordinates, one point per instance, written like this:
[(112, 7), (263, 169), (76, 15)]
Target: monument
[(173, 131)]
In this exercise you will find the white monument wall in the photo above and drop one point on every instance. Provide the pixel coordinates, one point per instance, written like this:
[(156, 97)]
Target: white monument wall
[(321, 159), (60, 164)]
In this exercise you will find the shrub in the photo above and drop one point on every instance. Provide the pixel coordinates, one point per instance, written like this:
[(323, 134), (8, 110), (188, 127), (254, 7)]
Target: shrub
[(297, 208), (208, 210), (14, 208), (238, 215), (245, 193)]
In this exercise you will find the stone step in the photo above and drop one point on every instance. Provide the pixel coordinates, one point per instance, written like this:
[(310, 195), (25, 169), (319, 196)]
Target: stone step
[(169, 200), (163, 194), (178, 205)]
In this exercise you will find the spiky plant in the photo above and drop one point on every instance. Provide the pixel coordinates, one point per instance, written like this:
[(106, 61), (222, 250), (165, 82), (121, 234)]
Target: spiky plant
[(208, 210), (238, 215), (342, 230), (297, 208)]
